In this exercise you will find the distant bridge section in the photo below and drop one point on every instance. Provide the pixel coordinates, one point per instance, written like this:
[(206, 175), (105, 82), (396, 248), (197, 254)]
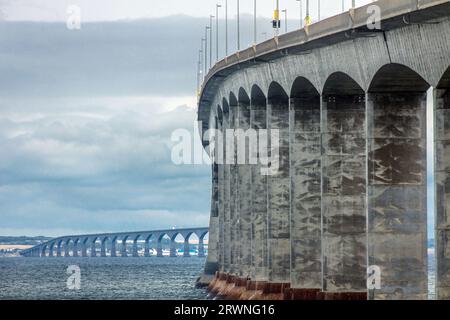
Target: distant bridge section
[(126, 244)]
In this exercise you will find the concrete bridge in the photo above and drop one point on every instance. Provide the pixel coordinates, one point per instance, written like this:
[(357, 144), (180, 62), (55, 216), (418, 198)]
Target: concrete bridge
[(350, 105), (106, 244)]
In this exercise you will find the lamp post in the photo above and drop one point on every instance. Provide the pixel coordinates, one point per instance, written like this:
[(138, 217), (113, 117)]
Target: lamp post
[(285, 21), (238, 29), (301, 13), (343, 5), (226, 28), (206, 50), (210, 40), (276, 19), (318, 9), (255, 37), (217, 31), (308, 17)]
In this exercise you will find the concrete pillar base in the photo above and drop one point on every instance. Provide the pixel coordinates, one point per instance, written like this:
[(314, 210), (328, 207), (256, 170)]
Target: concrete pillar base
[(344, 296)]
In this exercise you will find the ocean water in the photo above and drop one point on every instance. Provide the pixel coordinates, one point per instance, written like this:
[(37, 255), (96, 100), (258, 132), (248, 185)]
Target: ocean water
[(102, 278), (113, 278)]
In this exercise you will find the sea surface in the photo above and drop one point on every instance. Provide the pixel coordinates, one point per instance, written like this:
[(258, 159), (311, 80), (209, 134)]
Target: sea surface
[(113, 278), (102, 278)]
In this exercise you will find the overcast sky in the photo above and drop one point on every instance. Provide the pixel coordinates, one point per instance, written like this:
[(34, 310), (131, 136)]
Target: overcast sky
[(86, 116), (109, 10)]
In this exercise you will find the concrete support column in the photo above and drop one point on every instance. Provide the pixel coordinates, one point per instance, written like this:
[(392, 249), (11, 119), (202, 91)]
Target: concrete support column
[(225, 186), (147, 248), (186, 248), (93, 249), (305, 175), (84, 249), (75, 249), (159, 250), (244, 187), (173, 248), (123, 251), (201, 248), (397, 193), (135, 248), (344, 238), (103, 248), (258, 122), (50, 250), (235, 222), (278, 192), (66, 249), (442, 176), (113, 248), (58, 250)]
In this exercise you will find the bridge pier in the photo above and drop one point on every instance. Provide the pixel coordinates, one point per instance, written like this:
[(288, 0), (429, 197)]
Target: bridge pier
[(225, 186), (66, 248), (244, 181), (123, 250), (75, 248), (147, 248), (58, 249), (344, 236), (84, 248), (305, 175), (201, 247), (135, 248), (278, 190), (397, 213), (103, 248), (173, 248), (258, 122), (113, 248), (50, 250), (186, 248), (94, 248), (159, 250), (442, 176)]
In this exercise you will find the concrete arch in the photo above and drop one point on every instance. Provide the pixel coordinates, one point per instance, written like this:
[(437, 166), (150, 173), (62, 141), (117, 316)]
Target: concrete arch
[(225, 108), (114, 246), (302, 87), (51, 248), (339, 83), (84, 247), (94, 241), (104, 249), (233, 101), (76, 247), (123, 248), (444, 82), (276, 92), (397, 78), (243, 96)]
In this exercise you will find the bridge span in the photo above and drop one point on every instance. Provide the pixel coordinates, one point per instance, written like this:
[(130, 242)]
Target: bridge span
[(105, 244), (350, 106)]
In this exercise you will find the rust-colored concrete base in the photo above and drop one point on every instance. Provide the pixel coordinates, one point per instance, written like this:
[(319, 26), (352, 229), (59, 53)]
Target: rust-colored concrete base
[(230, 287)]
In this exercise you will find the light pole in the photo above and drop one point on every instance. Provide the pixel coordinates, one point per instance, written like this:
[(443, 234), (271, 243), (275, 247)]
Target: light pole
[(206, 50), (353, 4), (343, 5), (255, 37), (308, 17), (203, 57), (285, 21), (238, 29), (318, 8), (210, 40), (217, 31), (226, 28), (276, 19), (301, 13)]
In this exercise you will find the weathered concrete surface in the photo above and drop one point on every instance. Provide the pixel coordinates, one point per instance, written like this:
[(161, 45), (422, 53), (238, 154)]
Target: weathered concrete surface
[(306, 233), (442, 174), (259, 195), (225, 184), (397, 216), (244, 177), (344, 191), (278, 191)]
